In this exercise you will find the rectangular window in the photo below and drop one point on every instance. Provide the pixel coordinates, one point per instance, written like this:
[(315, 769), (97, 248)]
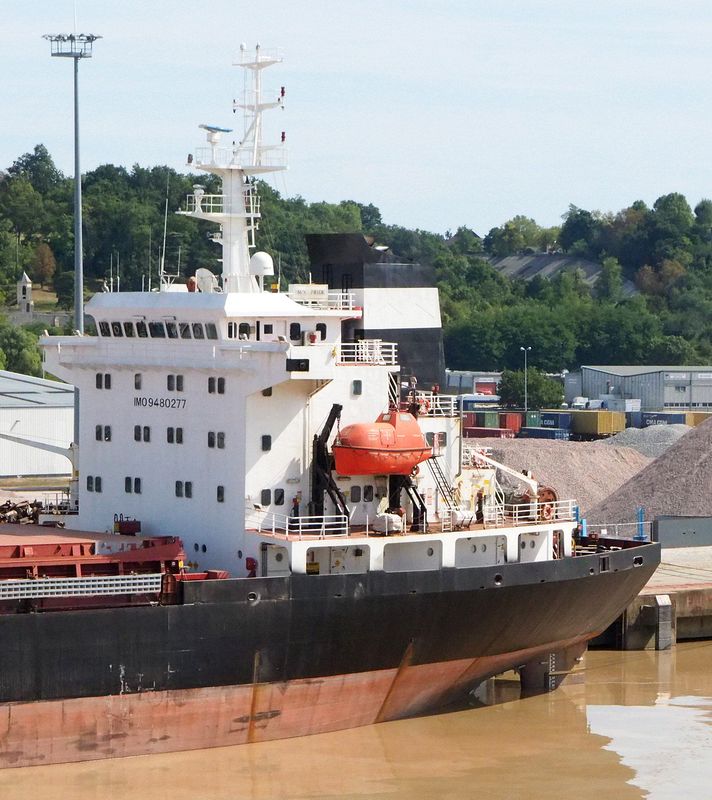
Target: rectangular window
[(221, 385), (146, 433), (321, 330), (184, 328), (142, 329), (116, 329), (104, 329), (107, 433), (295, 331), (99, 380), (243, 330), (107, 380), (355, 494), (179, 488), (266, 443), (128, 485), (221, 440), (129, 331), (90, 483), (266, 497), (268, 328), (198, 330), (356, 387), (211, 385), (137, 433), (172, 330), (279, 497), (156, 330), (137, 485), (179, 383), (220, 494), (368, 493), (97, 483), (232, 330), (99, 433), (171, 383), (211, 330), (174, 435), (211, 438), (137, 380), (188, 488)]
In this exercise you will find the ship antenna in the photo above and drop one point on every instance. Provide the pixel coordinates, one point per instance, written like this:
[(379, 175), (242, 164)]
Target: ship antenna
[(161, 272)]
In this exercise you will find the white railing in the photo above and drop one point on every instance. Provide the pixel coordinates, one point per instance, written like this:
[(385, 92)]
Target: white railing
[(220, 204), (528, 513), (436, 405), (270, 157), (368, 351), (332, 301), (622, 530), (25, 588), (308, 526)]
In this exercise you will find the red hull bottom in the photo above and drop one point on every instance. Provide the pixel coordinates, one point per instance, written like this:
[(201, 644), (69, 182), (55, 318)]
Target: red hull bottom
[(82, 729)]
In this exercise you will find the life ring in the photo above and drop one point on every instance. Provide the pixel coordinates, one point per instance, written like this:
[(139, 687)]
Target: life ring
[(424, 405), (547, 511), (415, 471)]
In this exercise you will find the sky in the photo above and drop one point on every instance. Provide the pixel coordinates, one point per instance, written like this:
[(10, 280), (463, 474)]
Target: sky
[(441, 113)]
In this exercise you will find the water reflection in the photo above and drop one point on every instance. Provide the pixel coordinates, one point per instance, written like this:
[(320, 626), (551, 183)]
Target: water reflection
[(638, 728)]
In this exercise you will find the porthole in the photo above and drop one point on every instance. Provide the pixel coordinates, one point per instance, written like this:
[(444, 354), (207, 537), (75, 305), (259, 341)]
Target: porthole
[(497, 580), (204, 548), (484, 548), (196, 547), (239, 553), (474, 548), (524, 544), (532, 544), (430, 551), (279, 557)]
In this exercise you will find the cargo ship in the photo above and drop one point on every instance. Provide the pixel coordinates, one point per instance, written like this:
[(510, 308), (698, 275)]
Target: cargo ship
[(275, 530)]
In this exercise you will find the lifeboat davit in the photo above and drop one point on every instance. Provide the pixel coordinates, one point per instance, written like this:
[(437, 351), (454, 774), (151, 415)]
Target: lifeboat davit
[(392, 445)]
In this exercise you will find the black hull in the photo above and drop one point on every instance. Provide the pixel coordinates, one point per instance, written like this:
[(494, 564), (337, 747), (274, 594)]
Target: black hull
[(276, 630)]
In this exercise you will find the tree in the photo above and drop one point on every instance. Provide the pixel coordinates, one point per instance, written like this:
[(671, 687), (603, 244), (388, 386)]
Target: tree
[(609, 285), (542, 391), (19, 350), (44, 264)]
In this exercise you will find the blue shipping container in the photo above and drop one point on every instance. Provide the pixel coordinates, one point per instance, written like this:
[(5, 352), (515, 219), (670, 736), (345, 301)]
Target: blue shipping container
[(662, 418), (545, 433), (634, 419), (556, 419)]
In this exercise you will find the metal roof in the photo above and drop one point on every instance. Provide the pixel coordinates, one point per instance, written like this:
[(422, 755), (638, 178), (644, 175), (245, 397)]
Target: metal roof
[(26, 391), (628, 371)]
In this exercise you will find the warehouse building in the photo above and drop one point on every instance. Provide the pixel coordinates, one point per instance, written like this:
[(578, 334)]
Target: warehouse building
[(658, 387), (40, 411)]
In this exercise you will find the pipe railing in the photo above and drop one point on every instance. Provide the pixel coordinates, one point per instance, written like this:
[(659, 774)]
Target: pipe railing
[(320, 526)]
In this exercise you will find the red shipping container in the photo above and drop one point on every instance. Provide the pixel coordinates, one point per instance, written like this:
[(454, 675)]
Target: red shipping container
[(468, 419), (512, 420), (488, 433)]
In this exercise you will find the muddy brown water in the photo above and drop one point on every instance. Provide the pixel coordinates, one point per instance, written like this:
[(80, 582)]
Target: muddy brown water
[(640, 727)]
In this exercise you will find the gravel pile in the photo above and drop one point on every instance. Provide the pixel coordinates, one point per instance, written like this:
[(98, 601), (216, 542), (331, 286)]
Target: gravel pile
[(584, 471), (679, 482), (652, 441)]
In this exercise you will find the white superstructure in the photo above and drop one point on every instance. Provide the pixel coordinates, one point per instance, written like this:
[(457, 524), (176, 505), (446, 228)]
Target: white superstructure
[(200, 405)]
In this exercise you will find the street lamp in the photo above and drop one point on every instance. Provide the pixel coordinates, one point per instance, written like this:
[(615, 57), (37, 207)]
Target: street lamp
[(76, 46), (525, 350)]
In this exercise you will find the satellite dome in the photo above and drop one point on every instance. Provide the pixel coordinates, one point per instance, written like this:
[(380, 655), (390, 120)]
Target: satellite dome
[(261, 264)]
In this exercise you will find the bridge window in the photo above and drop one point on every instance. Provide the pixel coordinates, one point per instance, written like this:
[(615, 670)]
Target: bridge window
[(104, 330), (243, 331), (198, 330), (116, 329), (321, 330), (172, 330), (295, 331), (157, 330), (141, 330), (129, 331), (184, 328), (211, 330)]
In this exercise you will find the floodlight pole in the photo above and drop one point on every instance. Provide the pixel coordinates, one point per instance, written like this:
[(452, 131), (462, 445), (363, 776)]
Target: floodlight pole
[(525, 350), (75, 46)]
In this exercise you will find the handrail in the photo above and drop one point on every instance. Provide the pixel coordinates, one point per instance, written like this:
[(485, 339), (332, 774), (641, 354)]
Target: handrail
[(85, 586), (320, 526), (368, 351), (527, 513)]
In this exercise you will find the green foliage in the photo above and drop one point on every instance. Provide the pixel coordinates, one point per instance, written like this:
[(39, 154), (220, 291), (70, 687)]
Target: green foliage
[(542, 391), (18, 350), (665, 251)]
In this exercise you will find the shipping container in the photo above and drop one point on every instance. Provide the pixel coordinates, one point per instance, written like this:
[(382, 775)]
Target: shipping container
[(490, 419), (488, 433), (664, 418), (596, 424), (695, 418), (512, 420), (634, 419), (469, 419), (556, 419), (545, 433), (533, 419)]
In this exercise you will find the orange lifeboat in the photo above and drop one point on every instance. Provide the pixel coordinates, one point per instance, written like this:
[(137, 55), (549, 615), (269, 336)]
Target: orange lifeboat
[(392, 445)]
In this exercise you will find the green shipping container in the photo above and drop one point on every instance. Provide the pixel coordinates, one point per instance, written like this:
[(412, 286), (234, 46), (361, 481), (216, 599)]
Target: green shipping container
[(533, 419), (490, 419)]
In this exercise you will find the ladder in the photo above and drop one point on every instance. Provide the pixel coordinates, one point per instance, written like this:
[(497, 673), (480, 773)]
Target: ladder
[(450, 495)]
